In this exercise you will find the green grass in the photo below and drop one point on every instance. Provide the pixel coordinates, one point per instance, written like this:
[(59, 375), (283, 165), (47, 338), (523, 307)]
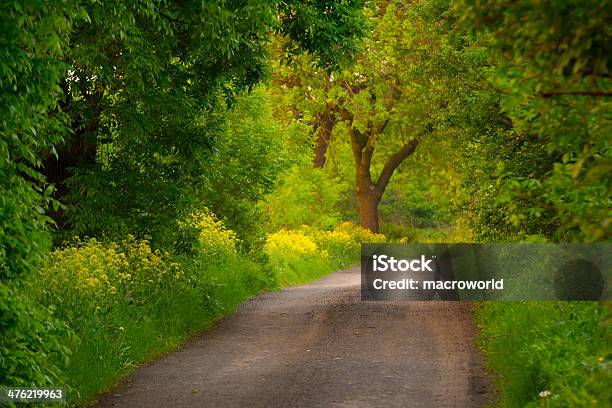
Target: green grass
[(537, 348), (106, 352)]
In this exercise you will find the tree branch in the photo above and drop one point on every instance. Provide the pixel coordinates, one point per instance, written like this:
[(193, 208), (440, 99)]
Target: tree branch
[(368, 148), (393, 162)]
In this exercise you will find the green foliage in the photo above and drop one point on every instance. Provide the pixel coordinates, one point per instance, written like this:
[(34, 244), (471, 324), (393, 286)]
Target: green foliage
[(247, 160), (548, 78), (143, 87), (415, 201), (306, 196), (32, 42), (556, 40), (323, 28), (559, 347), (152, 115), (30, 349), (156, 114)]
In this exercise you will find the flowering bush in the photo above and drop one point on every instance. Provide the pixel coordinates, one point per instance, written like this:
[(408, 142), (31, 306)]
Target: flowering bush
[(344, 242), (301, 255), (294, 256), (93, 273), (285, 242), (203, 234), (360, 234)]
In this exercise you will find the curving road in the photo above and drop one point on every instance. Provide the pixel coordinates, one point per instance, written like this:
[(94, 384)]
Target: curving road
[(318, 345)]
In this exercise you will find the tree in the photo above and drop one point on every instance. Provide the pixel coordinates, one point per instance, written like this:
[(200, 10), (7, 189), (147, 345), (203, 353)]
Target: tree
[(384, 105)]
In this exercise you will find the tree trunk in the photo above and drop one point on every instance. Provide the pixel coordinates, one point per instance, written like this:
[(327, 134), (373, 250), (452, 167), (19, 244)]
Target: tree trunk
[(320, 151), (369, 192), (325, 124), (78, 151), (368, 210)]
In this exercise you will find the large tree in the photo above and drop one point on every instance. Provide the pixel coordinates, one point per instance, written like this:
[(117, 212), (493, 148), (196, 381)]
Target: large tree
[(385, 105)]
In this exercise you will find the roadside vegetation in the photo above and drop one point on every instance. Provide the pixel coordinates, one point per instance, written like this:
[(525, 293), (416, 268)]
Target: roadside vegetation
[(560, 352), (117, 304), (160, 163)]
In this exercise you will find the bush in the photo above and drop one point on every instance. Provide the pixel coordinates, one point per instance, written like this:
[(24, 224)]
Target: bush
[(344, 242), (306, 196), (220, 274), (202, 234), (359, 234), (30, 353), (92, 277), (295, 258)]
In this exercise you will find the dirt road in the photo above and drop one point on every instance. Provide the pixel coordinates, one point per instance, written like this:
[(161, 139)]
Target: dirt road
[(318, 345)]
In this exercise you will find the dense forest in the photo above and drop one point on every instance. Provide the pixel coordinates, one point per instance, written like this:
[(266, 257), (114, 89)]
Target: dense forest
[(161, 162)]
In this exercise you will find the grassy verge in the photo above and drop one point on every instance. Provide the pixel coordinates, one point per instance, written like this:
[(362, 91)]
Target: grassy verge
[(548, 354), (124, 303)]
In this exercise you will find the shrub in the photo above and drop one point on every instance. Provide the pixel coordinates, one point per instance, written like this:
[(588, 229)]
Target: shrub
[(344, 242), (359, 234), (30, 352), (338, 244), (212, 234), (92, 276), (201, 233), (288, 243), (215, 268)]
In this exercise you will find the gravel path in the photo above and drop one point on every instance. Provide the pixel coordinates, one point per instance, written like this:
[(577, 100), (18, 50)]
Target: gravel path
[(318, 345)]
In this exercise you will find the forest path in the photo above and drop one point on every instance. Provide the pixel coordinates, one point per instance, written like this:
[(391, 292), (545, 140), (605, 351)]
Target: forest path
[(318, 345)]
